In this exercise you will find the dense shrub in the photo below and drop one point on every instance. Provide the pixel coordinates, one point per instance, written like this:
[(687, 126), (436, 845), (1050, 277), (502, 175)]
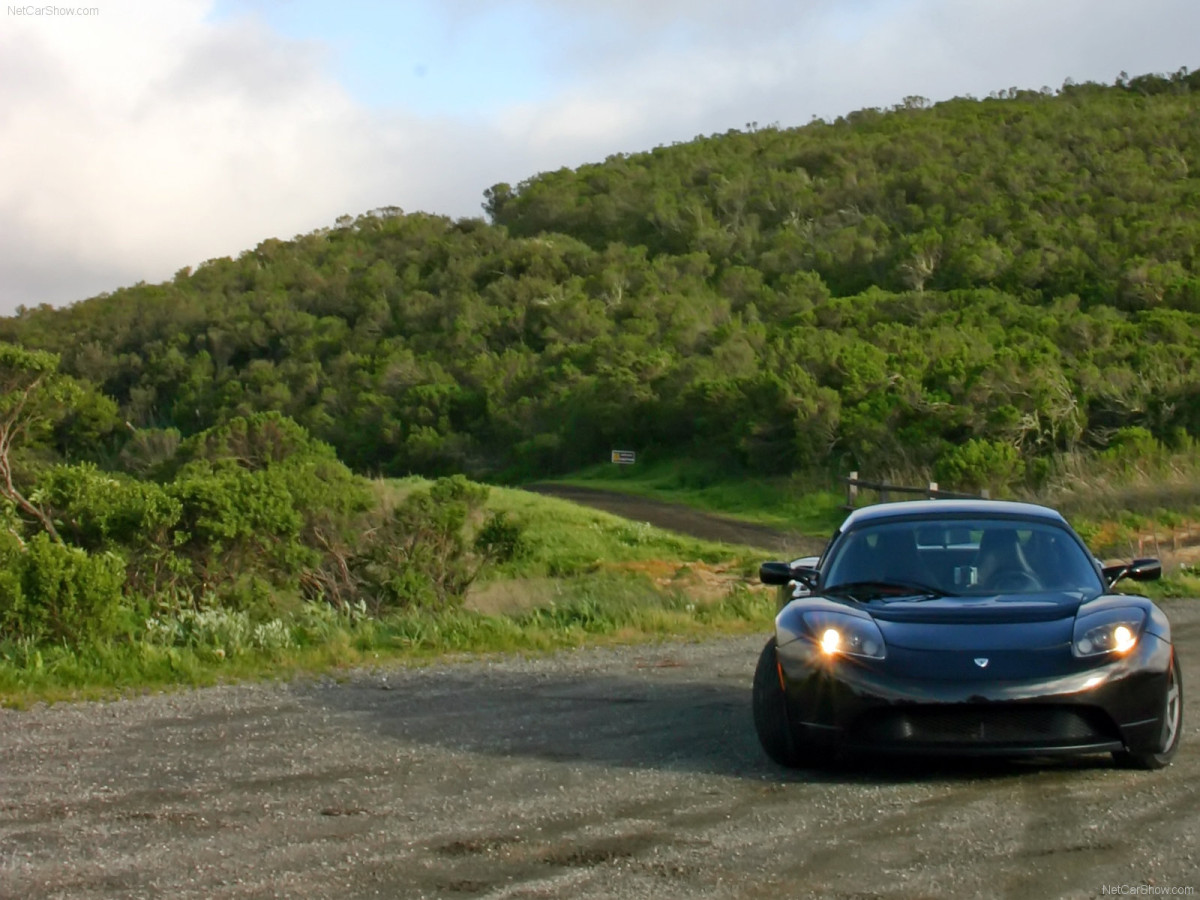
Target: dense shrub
[(99, 510), (255, 442), (237, 520), (423, 555), (501, 538), (981, 464), (53, 593), (261, 498)]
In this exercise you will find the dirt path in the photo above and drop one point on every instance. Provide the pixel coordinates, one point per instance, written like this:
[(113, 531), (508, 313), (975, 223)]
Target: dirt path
[(685, 520)]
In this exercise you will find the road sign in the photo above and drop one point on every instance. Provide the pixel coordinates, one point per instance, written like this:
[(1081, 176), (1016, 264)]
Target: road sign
[(624, 457)]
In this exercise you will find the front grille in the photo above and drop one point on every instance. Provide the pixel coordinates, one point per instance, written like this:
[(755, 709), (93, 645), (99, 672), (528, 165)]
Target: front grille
[(985, 725)]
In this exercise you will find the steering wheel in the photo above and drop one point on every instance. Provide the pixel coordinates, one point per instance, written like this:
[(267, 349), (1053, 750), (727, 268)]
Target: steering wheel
[(1014, 580)]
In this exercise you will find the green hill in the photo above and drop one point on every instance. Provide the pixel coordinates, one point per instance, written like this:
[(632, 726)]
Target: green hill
[(972, 287)]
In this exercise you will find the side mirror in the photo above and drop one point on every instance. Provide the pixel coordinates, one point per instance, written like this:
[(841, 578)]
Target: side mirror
[(774, 573), (1138, 570), (781, 573), (1144, 570)]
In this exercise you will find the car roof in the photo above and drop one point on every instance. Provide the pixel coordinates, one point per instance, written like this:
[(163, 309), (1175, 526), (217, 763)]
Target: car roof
[(935, 509)]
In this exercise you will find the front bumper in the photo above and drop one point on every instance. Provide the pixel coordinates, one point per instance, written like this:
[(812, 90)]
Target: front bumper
[(1062, 705)]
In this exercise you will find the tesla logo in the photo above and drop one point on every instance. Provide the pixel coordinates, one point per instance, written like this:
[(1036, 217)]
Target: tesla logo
[(981, 661)]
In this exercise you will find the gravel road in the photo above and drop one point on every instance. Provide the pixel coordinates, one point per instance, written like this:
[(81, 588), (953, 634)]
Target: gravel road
[(629, 772)]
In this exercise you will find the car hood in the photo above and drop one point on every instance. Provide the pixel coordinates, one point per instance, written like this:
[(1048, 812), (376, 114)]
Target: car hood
[(1026, 622)]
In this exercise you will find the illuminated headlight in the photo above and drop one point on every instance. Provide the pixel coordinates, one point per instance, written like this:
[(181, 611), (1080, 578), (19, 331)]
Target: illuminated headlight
[(837, 634), (1110, 631), (831, 640)]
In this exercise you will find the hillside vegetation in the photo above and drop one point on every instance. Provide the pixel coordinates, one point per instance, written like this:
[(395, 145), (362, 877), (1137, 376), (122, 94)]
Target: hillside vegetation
[(972, 286), (991, 291)]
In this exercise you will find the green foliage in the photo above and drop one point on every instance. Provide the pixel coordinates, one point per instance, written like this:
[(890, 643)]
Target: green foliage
[(215, 647), (419, 556), (238, 521), (259, 498), (33, 397), (501, 538), (1131, 445), (255, 442), (221, 636), (51, 593), (219, 632), (98, 510), (979, 464), (248, 506)]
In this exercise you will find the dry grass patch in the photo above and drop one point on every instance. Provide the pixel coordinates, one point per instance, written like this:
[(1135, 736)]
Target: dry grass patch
[(507, 597), (701, 581)]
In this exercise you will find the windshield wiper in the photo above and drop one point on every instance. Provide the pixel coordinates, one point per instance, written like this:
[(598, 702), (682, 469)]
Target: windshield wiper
[(887, 588)]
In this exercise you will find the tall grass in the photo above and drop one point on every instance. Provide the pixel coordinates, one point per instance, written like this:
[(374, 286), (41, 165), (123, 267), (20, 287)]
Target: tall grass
[(609, 608)]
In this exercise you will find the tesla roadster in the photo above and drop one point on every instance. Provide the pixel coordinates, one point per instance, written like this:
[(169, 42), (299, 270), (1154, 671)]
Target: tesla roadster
[(965, 627)]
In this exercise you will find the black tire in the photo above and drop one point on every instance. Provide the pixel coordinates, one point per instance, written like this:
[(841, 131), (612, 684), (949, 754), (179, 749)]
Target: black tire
[(775, 732), (770, 710), (1172, 727)]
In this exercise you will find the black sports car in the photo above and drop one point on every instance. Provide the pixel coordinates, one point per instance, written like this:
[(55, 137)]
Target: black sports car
[(965, 627)]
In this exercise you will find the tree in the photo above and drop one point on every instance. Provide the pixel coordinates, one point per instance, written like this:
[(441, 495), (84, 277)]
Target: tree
[(33, 395)]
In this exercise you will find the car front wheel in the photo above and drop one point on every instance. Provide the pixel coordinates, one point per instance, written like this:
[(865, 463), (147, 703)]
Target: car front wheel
[(1172, 727), (775, 732)]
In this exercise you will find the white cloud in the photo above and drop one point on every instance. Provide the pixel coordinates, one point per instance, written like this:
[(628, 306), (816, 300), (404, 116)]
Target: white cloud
[(150, 137), (146, 139)]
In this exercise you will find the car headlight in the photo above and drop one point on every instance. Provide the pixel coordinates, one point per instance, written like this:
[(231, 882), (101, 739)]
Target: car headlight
[(837, 634), (1111, 631)]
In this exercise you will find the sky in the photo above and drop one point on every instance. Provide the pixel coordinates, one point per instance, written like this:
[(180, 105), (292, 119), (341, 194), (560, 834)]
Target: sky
[(138, 137)]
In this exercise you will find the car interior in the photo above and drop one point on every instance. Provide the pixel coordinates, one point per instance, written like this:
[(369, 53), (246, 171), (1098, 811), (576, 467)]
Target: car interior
[(971, 557)]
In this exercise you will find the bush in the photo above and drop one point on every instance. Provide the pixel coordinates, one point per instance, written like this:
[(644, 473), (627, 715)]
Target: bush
[(1132, 446), (501, 539), (53, 593), (420, 557), (254, 442), (99, 510), (261, 498), (237, 521), (980, 464)]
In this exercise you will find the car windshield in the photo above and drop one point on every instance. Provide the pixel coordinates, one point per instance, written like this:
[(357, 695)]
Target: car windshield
[(961, 556)]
